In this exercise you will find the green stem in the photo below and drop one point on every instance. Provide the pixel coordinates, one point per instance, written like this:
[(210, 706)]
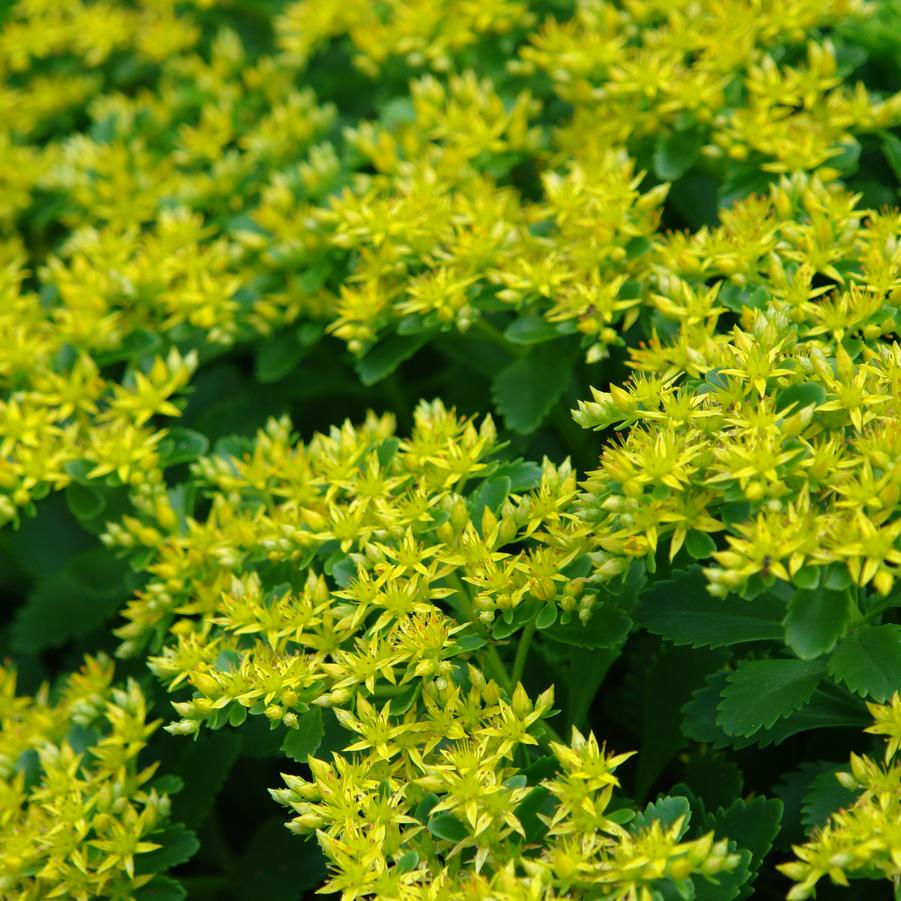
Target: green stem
[(462, 600), (496, 668), (522, 653)]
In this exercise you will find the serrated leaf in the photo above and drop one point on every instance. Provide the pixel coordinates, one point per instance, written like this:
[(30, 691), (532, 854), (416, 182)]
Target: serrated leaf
[(204, 764), (825, 795), (182, 446), (725, 886), (530, 329), (714, 778), (526, 390), (699, 712), (681, 611), (448, 827), (71, 602), (761, 692), (387, 355), (824, 711), (305, 740), (754, 829), (868, 661), (178, 845), (752, 824), (666, 811), (815, 621)]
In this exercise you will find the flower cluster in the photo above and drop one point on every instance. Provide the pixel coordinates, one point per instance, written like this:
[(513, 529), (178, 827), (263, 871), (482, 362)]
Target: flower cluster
[(185, 184), (217, 201), (355, 563), (79, 811), (779, 436), (733, 81), (864, 839), (435, 806), (415, 34), (368, 575)]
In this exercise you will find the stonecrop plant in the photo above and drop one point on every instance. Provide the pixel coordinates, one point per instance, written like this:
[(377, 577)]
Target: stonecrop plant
[(474, 428)]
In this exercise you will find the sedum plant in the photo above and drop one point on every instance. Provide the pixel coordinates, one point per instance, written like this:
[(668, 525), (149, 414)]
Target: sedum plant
[(82, 817), (240, 242)]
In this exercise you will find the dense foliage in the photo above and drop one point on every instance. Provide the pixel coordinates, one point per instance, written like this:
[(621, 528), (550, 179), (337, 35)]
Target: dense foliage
[(309, 313)]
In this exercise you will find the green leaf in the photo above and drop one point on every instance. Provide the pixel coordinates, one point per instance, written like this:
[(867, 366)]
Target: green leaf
[(530, 329), (204, 765), (607, 627), (424, 807), (315, 276), (725, 886), (526, 390), (161, 888), (386, 451), (825, 795), (714, 778), (169, 784), (815, 621), (699, 544), (513, 620), (761, 692), (178, 845), (491, 493), (303, 741), (182, 446), (407, 861), (277, 357), (669, 679), (448, 827), (524, 475), (387, 355), (825, 710), (676, 154), (868, 661), (278, 866), (546, 617), (72, 602), (666, 811), (752, 824), (136, 344), (891, 150), (228, 660), (681, 611), (804, 394), (85, 501)]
